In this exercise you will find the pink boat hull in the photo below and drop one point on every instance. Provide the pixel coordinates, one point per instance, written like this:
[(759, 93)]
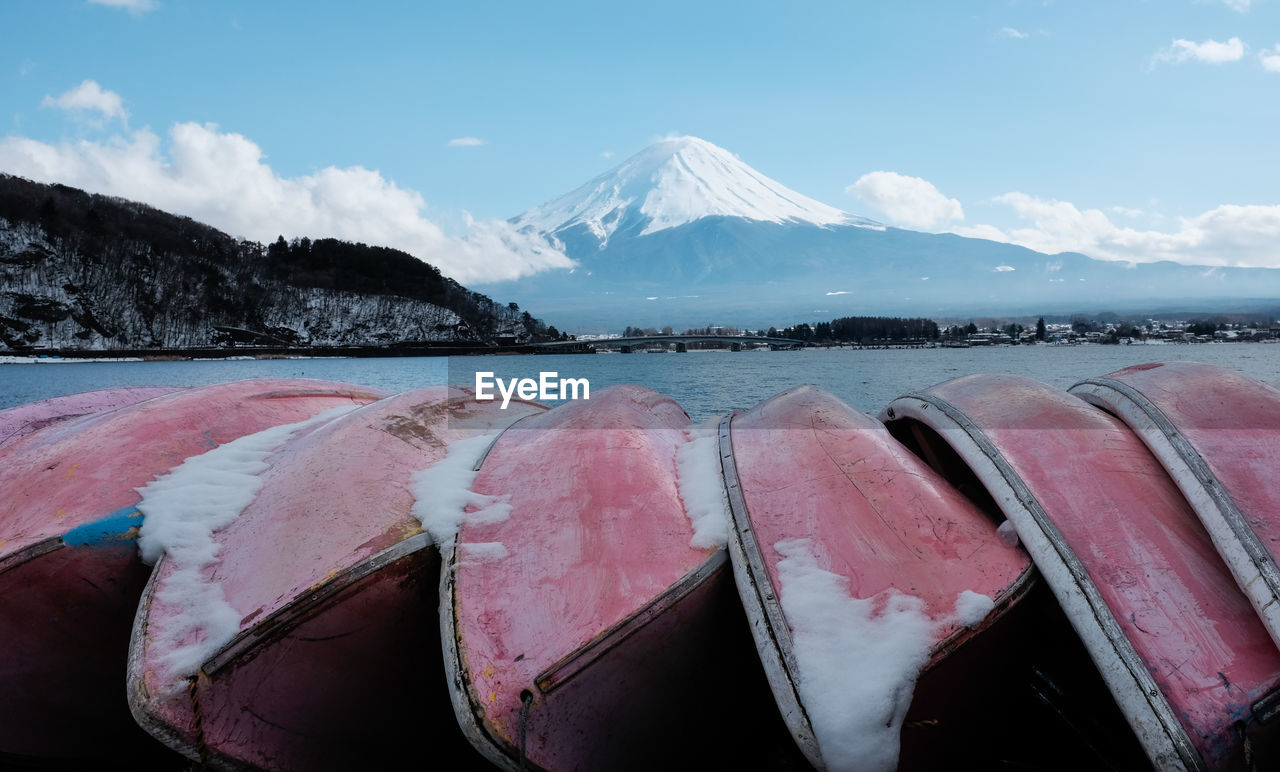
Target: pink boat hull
[(353, 683), (619, 634), (18, 422), (1178, 644), (803, 465), (333, 667), (69, 526), (1217, 432)]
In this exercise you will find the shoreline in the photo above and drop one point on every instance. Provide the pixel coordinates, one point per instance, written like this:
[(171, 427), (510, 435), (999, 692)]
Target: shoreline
[(48, 356), (364, 352)]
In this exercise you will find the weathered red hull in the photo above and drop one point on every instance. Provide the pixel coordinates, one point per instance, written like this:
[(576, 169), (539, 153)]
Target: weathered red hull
[(17, 422), (336, 665), (1177, 643), (804, 466), (70, 577), (1217, 432), (601, 624)]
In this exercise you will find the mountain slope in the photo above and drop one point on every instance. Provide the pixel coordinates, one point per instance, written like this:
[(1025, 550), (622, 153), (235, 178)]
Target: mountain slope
[(671, 183), (79, 271), (684, 233)]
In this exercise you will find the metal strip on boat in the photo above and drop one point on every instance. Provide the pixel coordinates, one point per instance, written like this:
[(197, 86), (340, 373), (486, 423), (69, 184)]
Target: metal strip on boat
[(138, 693), (768, 625), (280, 620), (1245, 554), (1154, 722), (458, 678), (30, 553), (564, 670), (480, 461)]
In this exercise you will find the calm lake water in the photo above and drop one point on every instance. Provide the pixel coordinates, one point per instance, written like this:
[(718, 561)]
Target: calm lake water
[(706, 384)]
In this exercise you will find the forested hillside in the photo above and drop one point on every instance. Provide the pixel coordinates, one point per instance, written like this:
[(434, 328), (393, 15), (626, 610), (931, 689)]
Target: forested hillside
[(81, 271)]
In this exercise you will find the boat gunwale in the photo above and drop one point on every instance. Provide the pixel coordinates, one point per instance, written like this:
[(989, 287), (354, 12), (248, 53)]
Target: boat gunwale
[(468, 707), (767, 622), (581, 658), (282, 620), (457, 675), (31, 552), (766, 614), (1240, 546), (139, 694), (1083, 604)]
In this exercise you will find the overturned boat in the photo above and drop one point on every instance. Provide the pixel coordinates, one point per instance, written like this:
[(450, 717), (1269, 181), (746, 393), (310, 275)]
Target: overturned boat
[(1217, 432), (70, 577), (311, 642), (585, 622), (17, 422), (1184, 656), (861, 570)]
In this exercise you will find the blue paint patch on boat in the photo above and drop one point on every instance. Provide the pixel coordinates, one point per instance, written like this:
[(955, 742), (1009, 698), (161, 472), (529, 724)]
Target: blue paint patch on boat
[(117, 526)]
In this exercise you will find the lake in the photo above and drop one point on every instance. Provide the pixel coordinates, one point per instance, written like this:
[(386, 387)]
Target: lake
[(705, 383)]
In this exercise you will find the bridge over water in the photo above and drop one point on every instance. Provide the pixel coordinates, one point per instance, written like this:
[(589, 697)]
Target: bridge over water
[(627, 345)]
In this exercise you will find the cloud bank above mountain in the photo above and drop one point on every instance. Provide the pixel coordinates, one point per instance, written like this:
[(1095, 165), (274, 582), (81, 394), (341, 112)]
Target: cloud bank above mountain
[(1227, 235), (222, 178)]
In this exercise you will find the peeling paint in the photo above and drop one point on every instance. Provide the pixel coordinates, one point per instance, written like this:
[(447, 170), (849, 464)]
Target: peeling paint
[(121, 525)]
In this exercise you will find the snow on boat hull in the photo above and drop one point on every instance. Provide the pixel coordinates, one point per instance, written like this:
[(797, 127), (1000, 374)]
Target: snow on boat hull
[(1185, 658), (335, 584), (809, 477), (1217, 432), (593, 631), (352, 682), (70, 577)]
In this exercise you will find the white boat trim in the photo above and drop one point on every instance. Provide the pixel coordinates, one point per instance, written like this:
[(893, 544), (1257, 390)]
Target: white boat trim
[(764, 609), (1252, 565), (1139, 698)]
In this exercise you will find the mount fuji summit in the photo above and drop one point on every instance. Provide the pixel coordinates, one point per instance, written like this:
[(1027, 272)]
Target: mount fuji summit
[(684, 233), (673, 183)]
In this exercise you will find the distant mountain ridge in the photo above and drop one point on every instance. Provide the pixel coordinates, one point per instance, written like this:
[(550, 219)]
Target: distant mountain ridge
[(684, 233), (81, 271)]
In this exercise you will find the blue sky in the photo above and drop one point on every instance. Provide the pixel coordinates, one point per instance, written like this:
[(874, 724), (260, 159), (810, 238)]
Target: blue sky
[(1126, 129)]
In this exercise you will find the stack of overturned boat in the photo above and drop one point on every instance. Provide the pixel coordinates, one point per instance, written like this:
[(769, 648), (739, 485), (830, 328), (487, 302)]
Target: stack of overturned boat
[(992, 572)]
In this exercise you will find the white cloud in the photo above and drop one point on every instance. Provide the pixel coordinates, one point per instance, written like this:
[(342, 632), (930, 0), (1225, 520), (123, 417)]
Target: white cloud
[(606, 154), (908, 200), (990, 232), (1209, 52), (133, 6), (89, 97), (221, 178), (1239, 6), (466, 142), (1270, 58), (840, 292), (1227, 235), (1010, 32)]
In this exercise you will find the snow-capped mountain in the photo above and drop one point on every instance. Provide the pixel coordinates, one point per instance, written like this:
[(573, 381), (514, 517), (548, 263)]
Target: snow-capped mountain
[(672, 183), (686, 234)]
